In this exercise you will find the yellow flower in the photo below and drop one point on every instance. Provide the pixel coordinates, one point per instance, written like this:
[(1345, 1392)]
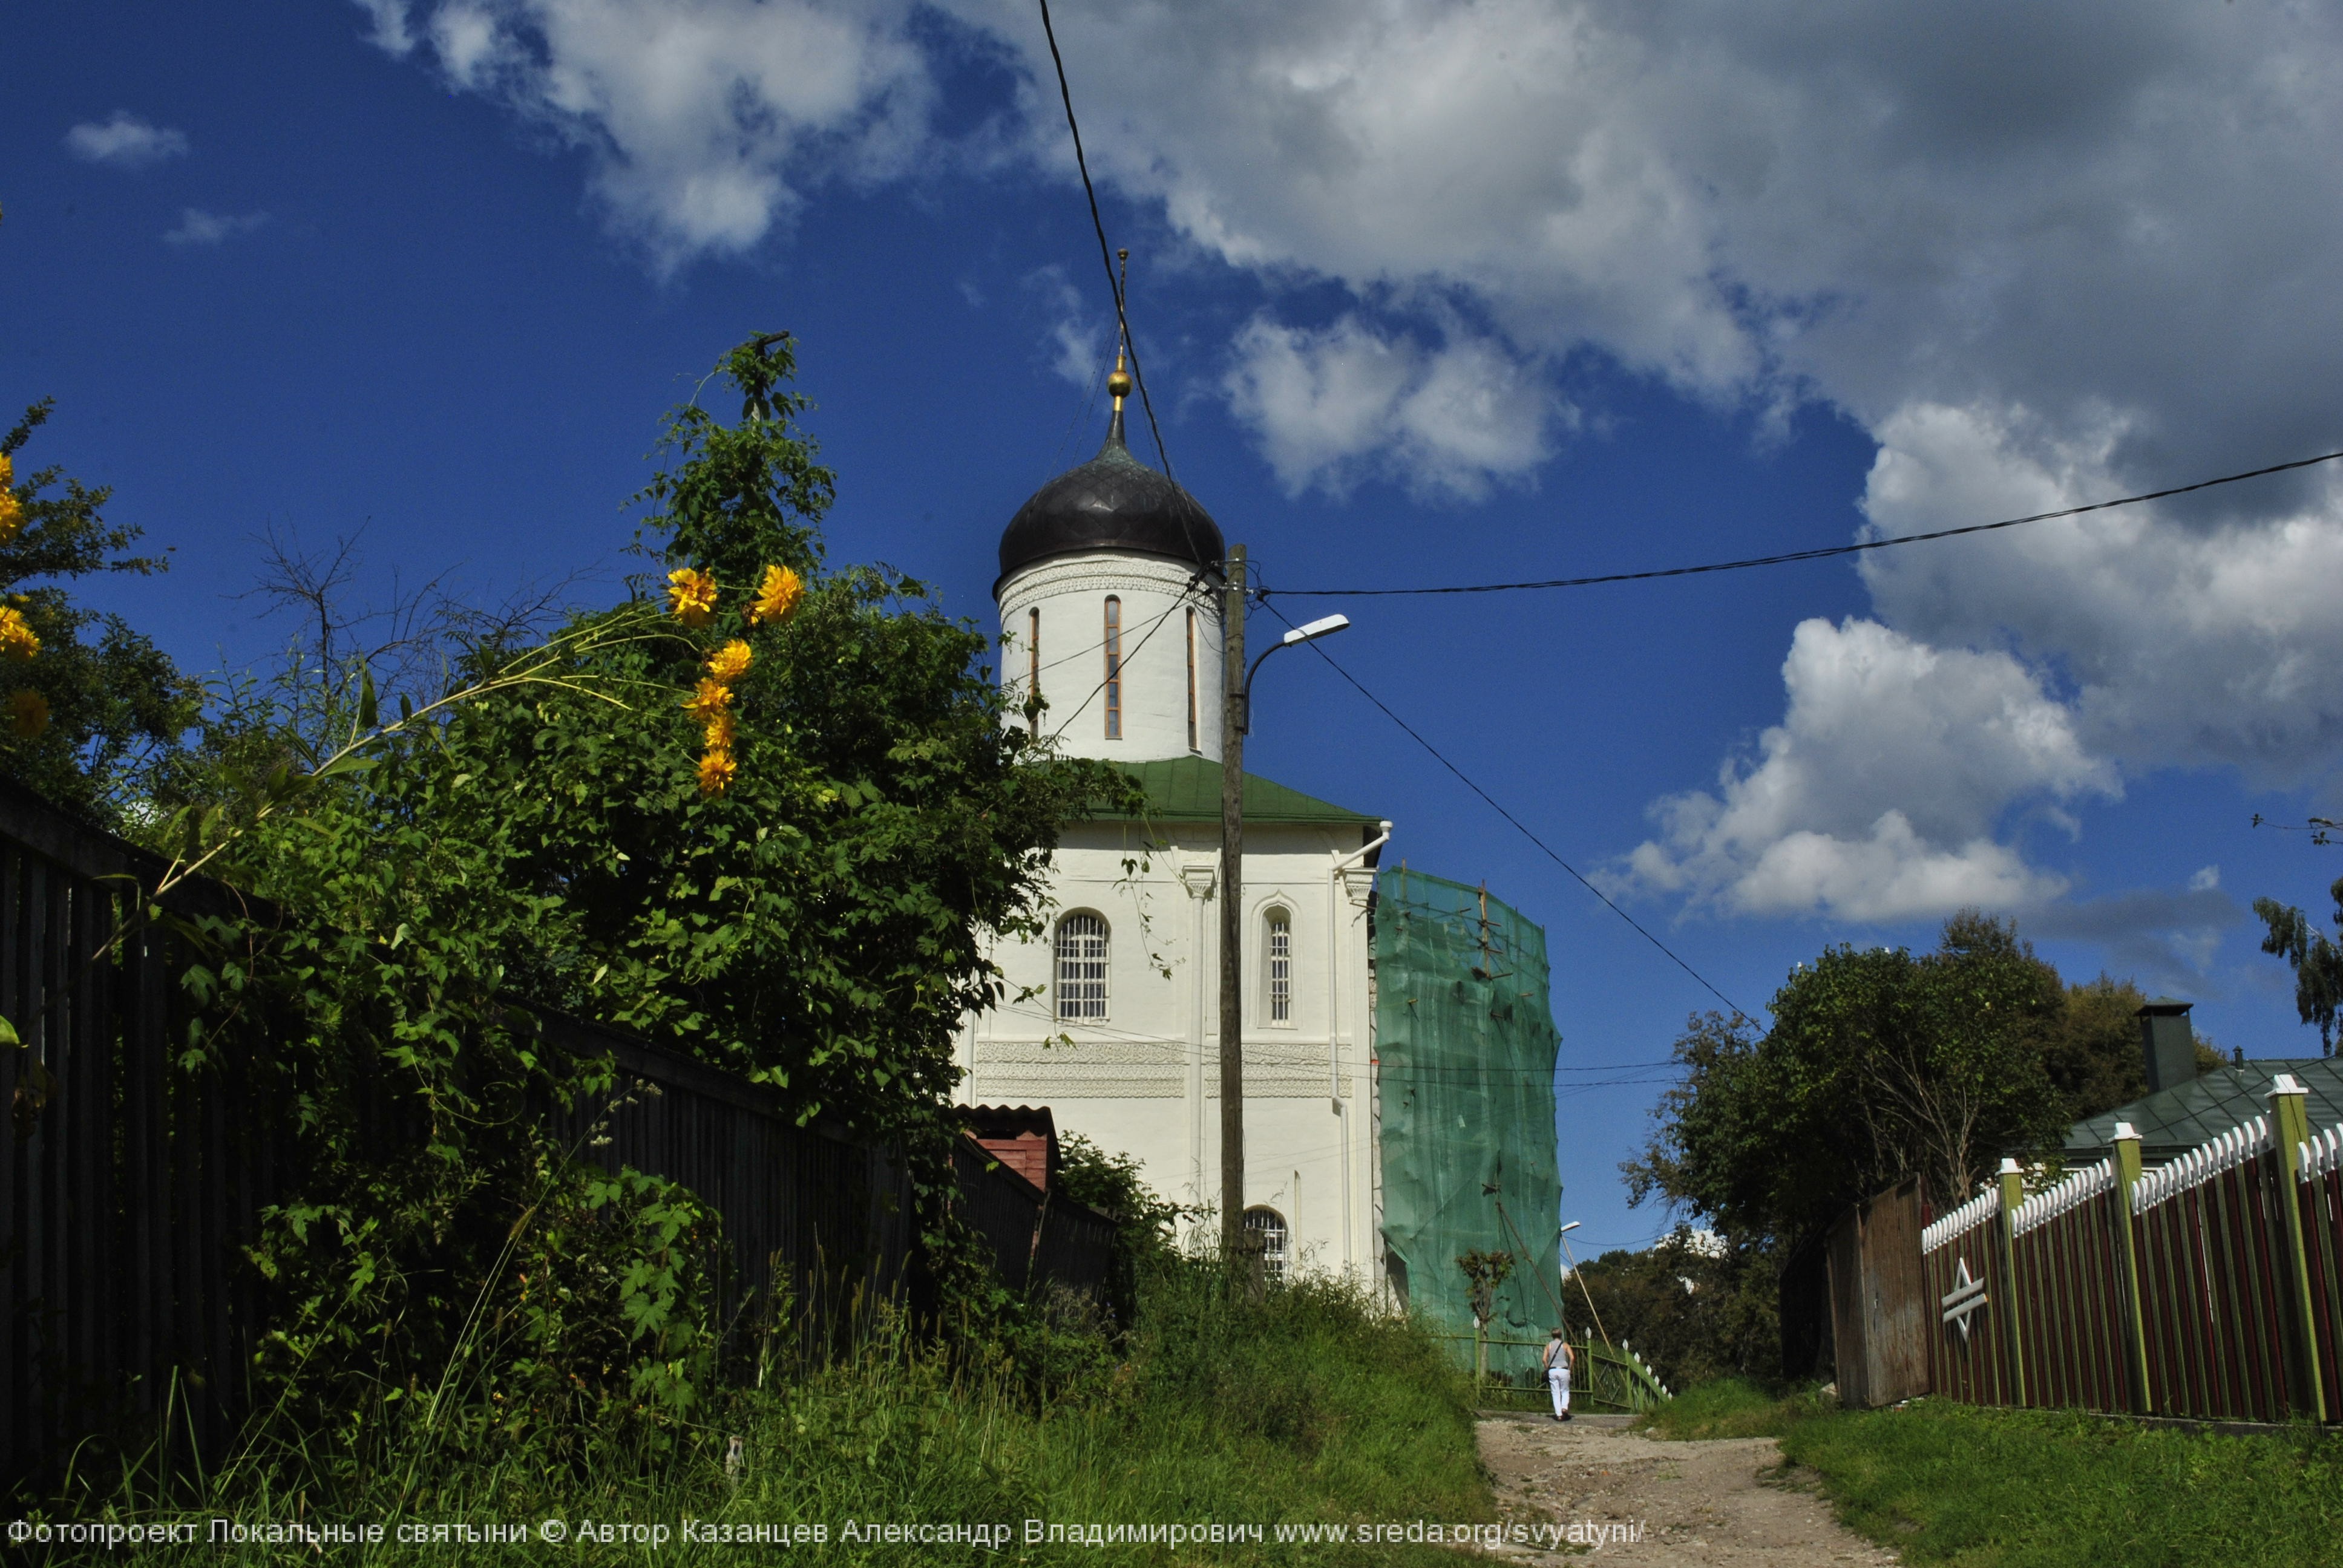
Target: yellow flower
[(717, 771), (17, 637), (720, 731), (28, 714), (707, 699), (12, 514), (691, 596), (730, 663), (777, 596)]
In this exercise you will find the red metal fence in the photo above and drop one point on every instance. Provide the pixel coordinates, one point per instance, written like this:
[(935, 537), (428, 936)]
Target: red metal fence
[(2208, 1288)]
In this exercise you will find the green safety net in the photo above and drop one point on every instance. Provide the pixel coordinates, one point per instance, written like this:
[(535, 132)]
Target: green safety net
[(1466, 1045)]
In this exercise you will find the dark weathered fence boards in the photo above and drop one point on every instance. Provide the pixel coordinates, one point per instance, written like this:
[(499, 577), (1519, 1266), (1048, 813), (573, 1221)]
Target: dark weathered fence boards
[(132, 1183), (1035, 1235), (129, 1182), (831, 1217), (1879, 1321), (2210, 1288)]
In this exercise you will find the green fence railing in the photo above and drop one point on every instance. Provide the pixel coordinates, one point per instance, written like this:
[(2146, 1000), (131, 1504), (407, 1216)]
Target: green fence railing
[(1608, 1379)]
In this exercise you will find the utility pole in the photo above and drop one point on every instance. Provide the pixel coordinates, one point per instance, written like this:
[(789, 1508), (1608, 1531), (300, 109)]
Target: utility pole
[(1232, 733)]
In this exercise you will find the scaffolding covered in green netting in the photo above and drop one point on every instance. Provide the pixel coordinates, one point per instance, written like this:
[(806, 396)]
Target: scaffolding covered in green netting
[(1466, 1043)]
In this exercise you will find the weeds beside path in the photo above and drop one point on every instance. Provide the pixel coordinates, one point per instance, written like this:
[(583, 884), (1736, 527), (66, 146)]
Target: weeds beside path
[(1308, 1408), (1945, 1482)]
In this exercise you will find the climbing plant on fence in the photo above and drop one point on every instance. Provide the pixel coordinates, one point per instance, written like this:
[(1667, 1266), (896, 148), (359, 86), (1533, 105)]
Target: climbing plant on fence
[(764, 813)]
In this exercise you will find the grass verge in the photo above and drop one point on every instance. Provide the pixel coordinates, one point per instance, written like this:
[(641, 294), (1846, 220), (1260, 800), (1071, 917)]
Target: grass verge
[(1980, 1488), (1305, 1407)]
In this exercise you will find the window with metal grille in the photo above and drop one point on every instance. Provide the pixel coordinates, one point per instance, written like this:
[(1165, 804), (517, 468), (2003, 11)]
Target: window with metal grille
[(1082, 968), (1280, 967), (1270, 1226), (1113, 668)]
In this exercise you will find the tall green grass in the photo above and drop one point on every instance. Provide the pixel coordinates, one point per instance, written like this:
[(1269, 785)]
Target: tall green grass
[(1305, 1406), (2041, 1489), (1983, 1488)]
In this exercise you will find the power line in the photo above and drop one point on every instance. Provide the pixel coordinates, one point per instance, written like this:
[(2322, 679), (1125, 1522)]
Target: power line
[(1824, 553), (1438, 756), (1123, 661), (1106, 251)]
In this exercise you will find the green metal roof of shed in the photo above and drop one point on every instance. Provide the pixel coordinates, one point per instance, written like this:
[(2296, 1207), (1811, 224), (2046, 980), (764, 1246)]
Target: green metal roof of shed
[(2172, 1121), (1188, 789)]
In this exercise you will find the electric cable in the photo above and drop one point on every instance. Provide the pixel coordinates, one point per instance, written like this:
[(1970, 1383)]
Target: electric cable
[(1123, 661), (1106, 251), (1462, 777), (1790, 556)]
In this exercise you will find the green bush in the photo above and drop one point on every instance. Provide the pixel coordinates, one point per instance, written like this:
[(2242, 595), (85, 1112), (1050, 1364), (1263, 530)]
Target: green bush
[(1306, 1405)]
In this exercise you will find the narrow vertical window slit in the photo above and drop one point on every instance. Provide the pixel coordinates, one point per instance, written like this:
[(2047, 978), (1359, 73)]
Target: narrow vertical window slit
[(1113, 668)]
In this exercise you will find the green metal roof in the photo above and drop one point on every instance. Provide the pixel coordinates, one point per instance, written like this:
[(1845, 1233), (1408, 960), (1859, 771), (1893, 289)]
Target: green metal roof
[(2172, 1121), (1188, 789)]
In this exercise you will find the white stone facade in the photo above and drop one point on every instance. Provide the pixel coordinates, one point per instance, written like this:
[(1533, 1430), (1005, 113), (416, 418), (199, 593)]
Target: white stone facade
[(1144, 1078), (1168, 625)]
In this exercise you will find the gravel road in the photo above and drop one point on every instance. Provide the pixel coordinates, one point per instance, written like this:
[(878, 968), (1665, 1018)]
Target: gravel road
[(1614, 1494)]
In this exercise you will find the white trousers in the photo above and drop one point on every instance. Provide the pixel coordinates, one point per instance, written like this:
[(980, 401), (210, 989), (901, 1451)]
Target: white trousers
[(1557, 1378)]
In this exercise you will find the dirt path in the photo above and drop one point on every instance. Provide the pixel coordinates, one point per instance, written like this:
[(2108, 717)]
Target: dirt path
[(1721, 1503)]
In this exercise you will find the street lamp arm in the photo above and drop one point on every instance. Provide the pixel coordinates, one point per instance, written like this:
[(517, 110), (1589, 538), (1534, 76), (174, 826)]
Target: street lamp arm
[(1300, 634)]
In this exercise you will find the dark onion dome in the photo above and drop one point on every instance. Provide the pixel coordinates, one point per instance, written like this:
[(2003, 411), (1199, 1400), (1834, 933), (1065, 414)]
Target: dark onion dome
[(1113, 502)]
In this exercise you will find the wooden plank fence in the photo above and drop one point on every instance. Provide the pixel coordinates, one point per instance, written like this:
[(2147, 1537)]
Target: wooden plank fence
[(1880, 1320), (2210, 1288), (131, 1180)]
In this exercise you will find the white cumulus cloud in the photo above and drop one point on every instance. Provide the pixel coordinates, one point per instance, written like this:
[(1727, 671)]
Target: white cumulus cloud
[(2041, 255), (1334, 404), (1878, 796), (704, 119), (125, 141)]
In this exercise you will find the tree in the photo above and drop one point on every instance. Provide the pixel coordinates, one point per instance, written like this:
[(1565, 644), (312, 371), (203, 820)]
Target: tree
[(88, 706), (765, 813), (1879, 1065), (2317, 962), (1697, 1306), (1485, 1273)]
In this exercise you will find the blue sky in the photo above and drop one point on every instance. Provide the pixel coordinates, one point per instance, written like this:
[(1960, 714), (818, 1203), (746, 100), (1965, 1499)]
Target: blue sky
[(1427, 293)]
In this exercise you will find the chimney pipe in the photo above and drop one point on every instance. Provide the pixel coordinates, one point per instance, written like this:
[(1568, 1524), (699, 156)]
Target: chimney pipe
[(2167, 1043)]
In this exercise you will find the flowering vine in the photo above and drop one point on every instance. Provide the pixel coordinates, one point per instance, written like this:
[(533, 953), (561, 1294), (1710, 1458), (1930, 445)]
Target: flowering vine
[(692, 598)]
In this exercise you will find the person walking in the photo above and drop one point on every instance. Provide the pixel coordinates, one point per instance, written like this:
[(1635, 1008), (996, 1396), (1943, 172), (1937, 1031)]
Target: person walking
[(1557, 1374)]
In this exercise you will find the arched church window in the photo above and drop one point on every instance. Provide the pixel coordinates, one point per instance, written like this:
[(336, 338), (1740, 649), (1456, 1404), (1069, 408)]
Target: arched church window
[(1113, 668), (1082, 968), (1276, 1249), (1034, 654), (1279, 949)]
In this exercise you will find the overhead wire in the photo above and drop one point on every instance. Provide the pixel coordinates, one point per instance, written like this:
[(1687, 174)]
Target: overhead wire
[(1786, 557), (1106, 258), (1465, 779), (1122, 662)]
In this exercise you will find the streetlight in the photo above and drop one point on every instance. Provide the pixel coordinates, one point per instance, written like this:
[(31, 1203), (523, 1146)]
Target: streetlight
[(1236, 719), (1327, 627), (1564, 1234)]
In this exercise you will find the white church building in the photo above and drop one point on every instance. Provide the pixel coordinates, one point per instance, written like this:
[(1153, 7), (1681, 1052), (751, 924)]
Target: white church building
[(1112, 635)]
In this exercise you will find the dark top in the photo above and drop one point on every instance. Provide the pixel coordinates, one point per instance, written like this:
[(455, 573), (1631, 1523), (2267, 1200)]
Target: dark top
[(1113, 502)]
